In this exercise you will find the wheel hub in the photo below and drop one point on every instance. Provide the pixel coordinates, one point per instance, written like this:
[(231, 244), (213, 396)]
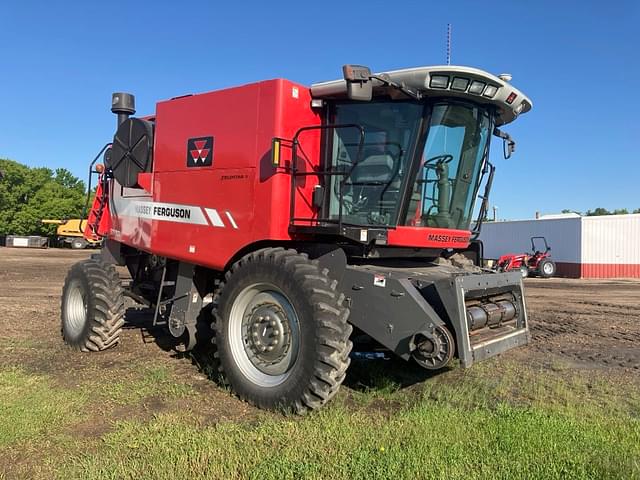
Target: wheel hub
[(264, 334), (434, 350), (268, 334)]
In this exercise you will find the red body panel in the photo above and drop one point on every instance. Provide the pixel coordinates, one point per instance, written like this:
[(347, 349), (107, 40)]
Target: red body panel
[(249, 194), (207, 214), (422, 237)]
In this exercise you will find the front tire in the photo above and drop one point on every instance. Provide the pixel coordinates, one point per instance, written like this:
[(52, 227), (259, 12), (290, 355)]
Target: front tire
[(92, 310), (546, 268), (281, 331)]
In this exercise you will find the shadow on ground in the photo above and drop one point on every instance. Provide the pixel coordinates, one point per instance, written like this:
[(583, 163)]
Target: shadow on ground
[(364, 375)]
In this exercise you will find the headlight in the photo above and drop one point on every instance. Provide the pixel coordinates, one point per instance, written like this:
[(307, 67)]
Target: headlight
[(460, 84), (490, 91), (476, 87), (439, 81)]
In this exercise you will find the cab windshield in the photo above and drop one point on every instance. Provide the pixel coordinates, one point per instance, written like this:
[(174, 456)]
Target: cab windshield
[(449, 172), (437, 164)]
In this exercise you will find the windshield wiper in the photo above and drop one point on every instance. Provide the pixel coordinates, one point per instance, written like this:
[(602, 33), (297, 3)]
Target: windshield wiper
[(384, 78)]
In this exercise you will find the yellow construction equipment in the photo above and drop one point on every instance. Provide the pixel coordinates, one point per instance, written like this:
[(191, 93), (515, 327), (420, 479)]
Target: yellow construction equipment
[(70, 231)]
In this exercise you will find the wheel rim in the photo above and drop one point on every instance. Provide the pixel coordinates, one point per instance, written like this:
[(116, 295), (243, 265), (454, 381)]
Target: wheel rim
[(75, 309), (524, 272), (547, 268), (264, 334)]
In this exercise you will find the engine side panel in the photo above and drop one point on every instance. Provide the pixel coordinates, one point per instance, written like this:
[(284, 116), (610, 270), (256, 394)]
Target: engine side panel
[(214, 189)]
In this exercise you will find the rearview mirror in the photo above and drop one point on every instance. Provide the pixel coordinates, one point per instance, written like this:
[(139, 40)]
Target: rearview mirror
[(359, 86), (508, 144), (508, 147)]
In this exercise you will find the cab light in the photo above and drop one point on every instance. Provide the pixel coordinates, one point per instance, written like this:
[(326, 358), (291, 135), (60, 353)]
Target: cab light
[(275, 152), (460, 84), (439, 81), (512, 96), (490, 91), (476, 87)]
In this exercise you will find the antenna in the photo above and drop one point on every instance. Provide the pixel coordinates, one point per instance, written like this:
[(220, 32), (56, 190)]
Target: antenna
[(448, 44)]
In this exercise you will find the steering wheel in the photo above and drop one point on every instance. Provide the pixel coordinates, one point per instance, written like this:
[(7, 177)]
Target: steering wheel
[(444, 158)]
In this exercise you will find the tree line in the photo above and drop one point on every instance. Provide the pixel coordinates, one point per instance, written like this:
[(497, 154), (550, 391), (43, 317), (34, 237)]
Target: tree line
[(603, 211), (30, 194)]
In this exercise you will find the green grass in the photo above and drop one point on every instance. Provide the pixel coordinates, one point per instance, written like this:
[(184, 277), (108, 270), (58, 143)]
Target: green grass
[(144, 383), (430, 440), (30, 406), (559, 391), (496, 420)]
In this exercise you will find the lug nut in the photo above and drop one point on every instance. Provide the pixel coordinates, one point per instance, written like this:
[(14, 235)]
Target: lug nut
[(273, 323), (269, 349), (275, 342)]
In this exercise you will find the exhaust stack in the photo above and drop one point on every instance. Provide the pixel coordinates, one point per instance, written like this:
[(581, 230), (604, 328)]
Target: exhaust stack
[(123, 105)]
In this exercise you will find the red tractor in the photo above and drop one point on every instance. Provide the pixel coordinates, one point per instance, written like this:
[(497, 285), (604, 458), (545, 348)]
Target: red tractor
[(304, 219), (537, 263)]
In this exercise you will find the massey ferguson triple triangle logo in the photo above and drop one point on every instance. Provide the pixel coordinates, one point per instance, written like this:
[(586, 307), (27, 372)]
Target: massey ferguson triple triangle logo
[(200, 152)]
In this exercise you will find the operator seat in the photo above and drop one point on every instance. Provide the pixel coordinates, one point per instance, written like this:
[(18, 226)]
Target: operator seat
[(370, 185), (374, 168)]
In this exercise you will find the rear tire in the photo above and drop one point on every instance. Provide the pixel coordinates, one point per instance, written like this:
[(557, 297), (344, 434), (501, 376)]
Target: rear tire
[(281, 331), (92, 310), (546, 268), (78, 243)]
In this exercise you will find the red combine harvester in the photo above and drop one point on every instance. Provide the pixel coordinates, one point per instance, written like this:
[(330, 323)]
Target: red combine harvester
[(305, 219), (538, 263)]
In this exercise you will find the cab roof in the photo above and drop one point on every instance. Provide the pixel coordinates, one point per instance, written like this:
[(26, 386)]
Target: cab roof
[(444, 81)]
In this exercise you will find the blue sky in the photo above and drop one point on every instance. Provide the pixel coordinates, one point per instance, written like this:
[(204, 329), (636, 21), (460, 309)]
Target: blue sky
[(579, 61)]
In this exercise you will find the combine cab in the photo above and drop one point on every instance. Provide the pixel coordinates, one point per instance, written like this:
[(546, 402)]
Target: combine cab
[(308, 218)]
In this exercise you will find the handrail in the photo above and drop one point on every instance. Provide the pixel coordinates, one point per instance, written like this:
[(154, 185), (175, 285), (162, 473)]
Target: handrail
[(294, 167)]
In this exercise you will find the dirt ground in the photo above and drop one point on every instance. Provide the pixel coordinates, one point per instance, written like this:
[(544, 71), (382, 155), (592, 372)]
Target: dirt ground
[(586, 324), (30, 288), (589, 323)]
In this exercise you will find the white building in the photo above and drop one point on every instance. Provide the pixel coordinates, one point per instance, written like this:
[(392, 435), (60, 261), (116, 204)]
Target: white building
[(605, 246)]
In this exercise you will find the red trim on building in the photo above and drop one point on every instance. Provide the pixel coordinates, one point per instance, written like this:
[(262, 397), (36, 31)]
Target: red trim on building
[(610, 270), (598, 270)]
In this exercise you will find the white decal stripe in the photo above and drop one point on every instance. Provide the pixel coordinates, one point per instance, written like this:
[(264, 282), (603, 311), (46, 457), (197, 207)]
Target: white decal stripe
[(170, 212), (233, 222), (213, 215)]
